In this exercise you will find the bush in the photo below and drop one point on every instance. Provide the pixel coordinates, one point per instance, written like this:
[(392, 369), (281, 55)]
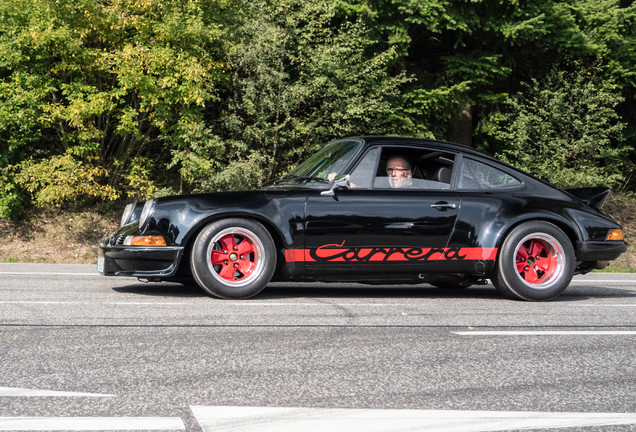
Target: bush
[(565, 129), (62, 179)]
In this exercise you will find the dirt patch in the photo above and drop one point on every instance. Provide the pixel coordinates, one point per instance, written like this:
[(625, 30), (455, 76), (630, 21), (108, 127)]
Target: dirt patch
[(72, 237), (622, 208)]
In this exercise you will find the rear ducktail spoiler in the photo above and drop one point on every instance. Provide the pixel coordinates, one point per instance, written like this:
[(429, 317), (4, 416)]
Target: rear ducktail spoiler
[(594, 196)]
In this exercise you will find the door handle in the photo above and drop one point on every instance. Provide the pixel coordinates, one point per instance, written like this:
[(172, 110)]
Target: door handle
[(443, 205)]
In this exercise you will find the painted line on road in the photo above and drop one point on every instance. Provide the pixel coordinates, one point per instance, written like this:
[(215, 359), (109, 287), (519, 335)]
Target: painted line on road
[(575, 281), (247, 303), (36, 302), (262, 419), (90, 423), (24, 392), (251, 303), (605, 305), (48, 274), (546, 333)]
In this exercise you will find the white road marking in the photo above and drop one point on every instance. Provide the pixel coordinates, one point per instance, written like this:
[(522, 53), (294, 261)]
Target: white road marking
[(260, 419), (23, 392), (605, 305), (252, 303), (546, 333), (48, 274), (120, 303), (90, 423), (592, 281)]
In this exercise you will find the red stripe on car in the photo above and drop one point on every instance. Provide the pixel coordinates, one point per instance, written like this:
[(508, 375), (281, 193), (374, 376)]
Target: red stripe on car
[(337, 253)]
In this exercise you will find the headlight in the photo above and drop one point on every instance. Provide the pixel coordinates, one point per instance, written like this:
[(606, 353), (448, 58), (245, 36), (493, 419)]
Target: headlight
[(149, 206), (128, 211)]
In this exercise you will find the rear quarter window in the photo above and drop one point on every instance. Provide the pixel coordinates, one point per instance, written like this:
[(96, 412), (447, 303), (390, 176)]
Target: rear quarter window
[(476, 175)]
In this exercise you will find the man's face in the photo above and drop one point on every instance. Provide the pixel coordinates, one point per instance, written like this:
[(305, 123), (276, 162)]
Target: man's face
[(399, 173)]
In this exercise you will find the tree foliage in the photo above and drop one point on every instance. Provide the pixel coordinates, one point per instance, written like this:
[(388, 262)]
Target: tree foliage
[(96, 85), (132, 98), (565, 128), (302, 80)]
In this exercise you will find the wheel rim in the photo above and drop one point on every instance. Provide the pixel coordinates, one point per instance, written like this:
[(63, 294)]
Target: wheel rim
[(235, 256), (539, 261)]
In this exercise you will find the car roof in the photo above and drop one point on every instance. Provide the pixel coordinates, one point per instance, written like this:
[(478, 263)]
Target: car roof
[(378, 140), (443, 145)]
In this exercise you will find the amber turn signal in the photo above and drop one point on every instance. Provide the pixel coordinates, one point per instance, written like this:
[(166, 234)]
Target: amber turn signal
[(615, 234), (145, 241)]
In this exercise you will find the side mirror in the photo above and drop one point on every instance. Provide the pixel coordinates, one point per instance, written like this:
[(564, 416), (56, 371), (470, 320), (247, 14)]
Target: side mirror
[(340, 183)]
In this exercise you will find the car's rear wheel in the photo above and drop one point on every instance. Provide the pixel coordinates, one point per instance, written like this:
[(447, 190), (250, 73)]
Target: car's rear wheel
[(536, 262), (233, 258)]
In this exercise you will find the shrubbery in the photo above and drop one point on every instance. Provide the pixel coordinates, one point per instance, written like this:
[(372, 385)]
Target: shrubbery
[(565, 128), (103, 101)]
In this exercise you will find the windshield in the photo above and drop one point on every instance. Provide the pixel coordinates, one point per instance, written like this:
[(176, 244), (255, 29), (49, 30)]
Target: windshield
[(323, 166)]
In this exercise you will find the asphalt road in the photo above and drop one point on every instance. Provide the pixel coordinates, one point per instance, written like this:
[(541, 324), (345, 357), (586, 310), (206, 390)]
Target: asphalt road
[(85, 352)]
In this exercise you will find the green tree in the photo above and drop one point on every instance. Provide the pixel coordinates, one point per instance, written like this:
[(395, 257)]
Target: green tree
[(302, 77), (121, 81), (467, 56), (565, 129)]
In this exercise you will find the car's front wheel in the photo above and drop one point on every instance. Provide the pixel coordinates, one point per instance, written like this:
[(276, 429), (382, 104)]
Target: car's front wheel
[(233, 258), (536, 262)]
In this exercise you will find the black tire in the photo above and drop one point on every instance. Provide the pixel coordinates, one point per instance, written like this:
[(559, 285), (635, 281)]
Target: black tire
[(233, 258), (536, 262)]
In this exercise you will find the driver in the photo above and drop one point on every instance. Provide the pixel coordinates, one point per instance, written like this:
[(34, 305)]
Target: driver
[(398, 170)]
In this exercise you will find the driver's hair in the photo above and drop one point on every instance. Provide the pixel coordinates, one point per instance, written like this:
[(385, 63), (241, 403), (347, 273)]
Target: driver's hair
[(400, 156)]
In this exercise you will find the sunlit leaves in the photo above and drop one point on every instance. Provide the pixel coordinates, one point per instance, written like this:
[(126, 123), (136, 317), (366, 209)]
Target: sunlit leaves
[(63, 178), (565, 128), (108, 80), (145, 97)]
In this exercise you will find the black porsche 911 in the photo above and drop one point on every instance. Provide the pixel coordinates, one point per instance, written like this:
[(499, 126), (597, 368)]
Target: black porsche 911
[(373, 210)]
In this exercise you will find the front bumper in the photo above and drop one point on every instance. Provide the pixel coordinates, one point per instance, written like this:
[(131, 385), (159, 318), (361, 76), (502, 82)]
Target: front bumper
[(138, 261)]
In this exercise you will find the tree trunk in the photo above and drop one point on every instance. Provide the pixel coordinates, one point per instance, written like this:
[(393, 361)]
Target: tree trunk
[(460, 127)]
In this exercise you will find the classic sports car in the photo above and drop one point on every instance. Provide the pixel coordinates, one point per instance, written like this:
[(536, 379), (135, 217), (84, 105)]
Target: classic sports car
[(373, 210)]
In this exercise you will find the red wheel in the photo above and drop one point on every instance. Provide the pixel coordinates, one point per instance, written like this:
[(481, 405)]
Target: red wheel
[(233, 258), (535, 262), (539, 259)]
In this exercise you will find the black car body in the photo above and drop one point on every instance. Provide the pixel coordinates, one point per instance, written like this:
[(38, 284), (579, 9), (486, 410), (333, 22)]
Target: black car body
[(460, 218)]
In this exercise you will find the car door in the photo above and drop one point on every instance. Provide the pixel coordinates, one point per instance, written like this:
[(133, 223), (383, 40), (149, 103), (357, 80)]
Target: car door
[(373, 229)]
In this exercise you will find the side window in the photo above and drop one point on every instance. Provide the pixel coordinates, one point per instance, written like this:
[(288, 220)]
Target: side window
[(477, 175), (362, 175), (414, 168)]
